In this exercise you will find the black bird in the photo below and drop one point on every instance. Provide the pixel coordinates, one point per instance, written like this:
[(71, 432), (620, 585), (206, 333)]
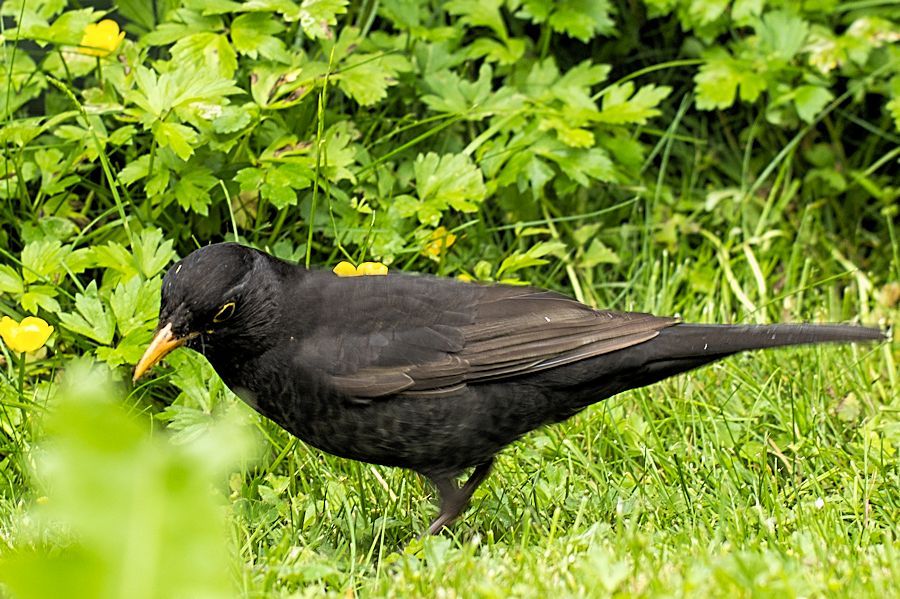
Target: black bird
[(430, 374)]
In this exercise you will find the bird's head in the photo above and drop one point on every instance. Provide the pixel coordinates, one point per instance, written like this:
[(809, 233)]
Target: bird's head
[(221, 296)]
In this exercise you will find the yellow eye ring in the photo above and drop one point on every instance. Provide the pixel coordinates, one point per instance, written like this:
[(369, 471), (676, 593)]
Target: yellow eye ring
[(224, 313)]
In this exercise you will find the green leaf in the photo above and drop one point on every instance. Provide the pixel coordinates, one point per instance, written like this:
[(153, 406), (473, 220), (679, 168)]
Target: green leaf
[(893, 108), (114, 256), (153, 254), (135, 304), (43, 260), (534, 256), (92, 320), (233, 118), (782, 34), (205, 50), (192, 189), (598, 253), (128, 350), (40, 296), (479, 13), (368, 76), (317, 17), (253, 35), (621, 107), (718, 79), (280, 183), (578, 164), (451, 180), (180, 138), (10, 280), (809, 100), (581, 19), (250, 178)]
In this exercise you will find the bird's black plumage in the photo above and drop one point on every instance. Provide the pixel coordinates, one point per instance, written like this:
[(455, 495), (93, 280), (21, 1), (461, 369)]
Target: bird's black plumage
[(430, 374)]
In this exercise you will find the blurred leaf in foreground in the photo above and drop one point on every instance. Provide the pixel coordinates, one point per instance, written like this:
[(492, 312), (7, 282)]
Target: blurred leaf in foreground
[(122, 512)]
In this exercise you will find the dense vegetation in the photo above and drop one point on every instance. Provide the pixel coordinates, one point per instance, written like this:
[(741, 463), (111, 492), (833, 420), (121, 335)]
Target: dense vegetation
[(724, 161)]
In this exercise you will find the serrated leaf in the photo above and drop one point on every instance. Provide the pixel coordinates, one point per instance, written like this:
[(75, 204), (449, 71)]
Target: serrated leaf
[(128, 350), (135, 170), (43, 259), (92, 319), (191, 190), (196, 379), (367, 78), (621, 107), (114, 256), (578, 164), (135, 304), (456, 95), (893, 108), (180, 138), (253, 34), (782, 34), (10, 280), (277, 188), (317, 17), (581, 19), (39, 296), (451, 180), (479, 13), (153, 253), (205, 50), (718, 79)]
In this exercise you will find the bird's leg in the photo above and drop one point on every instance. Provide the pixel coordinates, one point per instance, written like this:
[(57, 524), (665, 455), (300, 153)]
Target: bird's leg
[(454, 498)]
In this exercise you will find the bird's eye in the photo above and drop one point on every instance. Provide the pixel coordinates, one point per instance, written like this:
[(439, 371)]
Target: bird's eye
[(224, 313)]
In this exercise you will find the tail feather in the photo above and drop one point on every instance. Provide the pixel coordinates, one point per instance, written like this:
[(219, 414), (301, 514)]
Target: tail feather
[(683, 347), (699, 340)]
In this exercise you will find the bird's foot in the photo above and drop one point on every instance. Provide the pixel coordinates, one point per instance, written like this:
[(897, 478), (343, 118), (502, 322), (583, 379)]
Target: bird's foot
[(453, 498)]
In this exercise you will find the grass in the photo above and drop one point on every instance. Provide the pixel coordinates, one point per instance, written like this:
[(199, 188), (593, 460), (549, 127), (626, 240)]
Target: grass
[(773, 474), (770, 474)]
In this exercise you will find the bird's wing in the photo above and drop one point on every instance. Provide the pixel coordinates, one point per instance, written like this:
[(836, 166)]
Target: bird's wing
[(421, 335)]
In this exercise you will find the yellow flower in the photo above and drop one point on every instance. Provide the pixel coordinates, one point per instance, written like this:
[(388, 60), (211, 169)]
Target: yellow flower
[(438, 242), (25, 336), (372, 268), (101, 38), (345, 269)]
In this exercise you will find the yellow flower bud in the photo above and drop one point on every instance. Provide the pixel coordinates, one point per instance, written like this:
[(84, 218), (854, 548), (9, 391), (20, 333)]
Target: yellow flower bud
[(372, 268), (101, 38), (29, 335), (345, 269), (438, 242)]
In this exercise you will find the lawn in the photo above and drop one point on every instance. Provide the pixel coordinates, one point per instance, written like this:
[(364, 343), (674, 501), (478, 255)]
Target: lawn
[(722, 162)]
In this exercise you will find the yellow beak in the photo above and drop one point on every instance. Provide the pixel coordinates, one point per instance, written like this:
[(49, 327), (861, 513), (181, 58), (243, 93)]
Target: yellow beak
[(162, 344)]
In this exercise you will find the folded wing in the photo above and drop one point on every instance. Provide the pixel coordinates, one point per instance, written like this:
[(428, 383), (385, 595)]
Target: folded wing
[(425, 336)]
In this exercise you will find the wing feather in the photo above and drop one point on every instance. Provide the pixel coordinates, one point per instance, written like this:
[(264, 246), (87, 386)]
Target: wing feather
[(422, 336)]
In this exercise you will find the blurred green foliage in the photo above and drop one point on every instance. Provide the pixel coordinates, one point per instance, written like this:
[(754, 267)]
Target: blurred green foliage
[(120, 512)]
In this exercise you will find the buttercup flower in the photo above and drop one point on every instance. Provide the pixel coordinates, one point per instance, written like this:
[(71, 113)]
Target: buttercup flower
[(345, 269), (438, 242), (28, 335), (101, 38)]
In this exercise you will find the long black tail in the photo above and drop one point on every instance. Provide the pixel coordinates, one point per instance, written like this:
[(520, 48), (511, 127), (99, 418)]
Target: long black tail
[(683, 347), (698, 340)]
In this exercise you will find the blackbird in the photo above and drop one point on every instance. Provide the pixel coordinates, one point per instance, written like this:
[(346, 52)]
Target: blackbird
[(431, 374)]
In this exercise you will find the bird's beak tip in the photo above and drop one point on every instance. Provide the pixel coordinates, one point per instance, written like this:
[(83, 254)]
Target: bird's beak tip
[(164, 341)]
